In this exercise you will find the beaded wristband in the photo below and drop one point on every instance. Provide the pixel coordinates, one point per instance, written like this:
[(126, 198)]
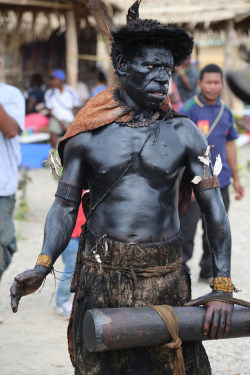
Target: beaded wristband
[(44, 260), (223, 284)]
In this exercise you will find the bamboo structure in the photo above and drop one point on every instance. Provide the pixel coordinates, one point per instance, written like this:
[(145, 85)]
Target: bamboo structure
[(29, 20), (33, 20), (195, 15)]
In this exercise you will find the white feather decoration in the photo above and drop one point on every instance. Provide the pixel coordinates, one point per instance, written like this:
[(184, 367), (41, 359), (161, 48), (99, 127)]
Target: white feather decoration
[(55, 164), (106, 246), (203, 160), (97, 258), (217, 166), (196, 180), (208, 150)]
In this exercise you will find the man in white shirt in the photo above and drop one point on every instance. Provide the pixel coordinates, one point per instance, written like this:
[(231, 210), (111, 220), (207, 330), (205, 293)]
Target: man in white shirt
[(12, 113), (83, 93), (62, 102)]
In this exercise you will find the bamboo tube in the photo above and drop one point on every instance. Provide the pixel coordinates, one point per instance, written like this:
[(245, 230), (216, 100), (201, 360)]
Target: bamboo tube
[(133, 327)]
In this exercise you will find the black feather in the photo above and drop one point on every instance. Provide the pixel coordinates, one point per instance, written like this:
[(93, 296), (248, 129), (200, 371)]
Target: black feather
[(133, 11), (103, 20)]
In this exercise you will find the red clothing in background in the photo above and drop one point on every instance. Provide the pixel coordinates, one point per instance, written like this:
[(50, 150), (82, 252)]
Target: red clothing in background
[(79, 222)]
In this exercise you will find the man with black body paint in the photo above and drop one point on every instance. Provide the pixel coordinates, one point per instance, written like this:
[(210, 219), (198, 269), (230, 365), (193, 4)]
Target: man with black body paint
[(142, 208)]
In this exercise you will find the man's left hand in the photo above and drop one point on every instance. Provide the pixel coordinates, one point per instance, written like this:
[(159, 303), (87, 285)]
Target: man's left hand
[(217, 318)]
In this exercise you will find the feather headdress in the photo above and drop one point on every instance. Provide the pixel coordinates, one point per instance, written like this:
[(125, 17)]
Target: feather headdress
[(103, 20), (133, 11), (138, 31)]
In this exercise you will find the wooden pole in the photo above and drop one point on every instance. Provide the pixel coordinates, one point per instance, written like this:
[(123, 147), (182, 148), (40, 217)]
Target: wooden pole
[(228, 57), (3, 50), (92, 58), (16, 46), (38, 3), (229, 45), (135, 327), (71, 49)]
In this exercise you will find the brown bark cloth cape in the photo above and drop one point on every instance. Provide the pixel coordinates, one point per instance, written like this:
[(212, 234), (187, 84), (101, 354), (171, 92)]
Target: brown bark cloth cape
[(131, 275)]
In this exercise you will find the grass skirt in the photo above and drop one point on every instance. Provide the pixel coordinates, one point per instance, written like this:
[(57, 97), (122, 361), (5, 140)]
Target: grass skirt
[(98, 288)]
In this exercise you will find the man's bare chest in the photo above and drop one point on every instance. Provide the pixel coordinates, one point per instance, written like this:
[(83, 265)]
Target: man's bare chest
[(110, 149)]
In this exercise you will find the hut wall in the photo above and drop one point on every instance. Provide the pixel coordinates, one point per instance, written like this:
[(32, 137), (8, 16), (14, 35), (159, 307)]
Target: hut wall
[(46, 55)]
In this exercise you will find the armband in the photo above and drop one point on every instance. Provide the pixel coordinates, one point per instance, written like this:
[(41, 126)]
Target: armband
[(68, 192), (223, 284), (44, 260), (208, 183)]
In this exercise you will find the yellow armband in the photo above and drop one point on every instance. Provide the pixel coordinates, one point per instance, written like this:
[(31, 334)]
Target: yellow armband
[(223, 284), (44, 260)]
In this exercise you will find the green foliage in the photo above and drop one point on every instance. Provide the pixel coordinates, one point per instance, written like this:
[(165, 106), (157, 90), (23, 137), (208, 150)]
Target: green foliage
[(22, 209)]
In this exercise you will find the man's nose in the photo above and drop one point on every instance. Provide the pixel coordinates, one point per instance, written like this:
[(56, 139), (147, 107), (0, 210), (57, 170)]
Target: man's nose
[(162, 76)]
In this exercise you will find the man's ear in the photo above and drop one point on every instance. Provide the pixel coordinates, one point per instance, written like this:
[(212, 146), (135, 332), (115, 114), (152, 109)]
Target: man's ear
[(121, 65)]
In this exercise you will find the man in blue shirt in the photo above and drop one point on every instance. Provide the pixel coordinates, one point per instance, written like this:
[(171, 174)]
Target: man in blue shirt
[(215, 121), (100, 86)]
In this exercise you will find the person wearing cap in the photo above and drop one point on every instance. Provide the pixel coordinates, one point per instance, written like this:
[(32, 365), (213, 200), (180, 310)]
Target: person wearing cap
[(62, 102), (135, 154)]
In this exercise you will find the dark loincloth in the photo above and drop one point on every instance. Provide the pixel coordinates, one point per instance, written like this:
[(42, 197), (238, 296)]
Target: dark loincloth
[(97, 288)]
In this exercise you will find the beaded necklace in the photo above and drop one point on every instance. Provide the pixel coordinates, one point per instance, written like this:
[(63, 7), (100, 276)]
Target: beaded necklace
[(141, 124)]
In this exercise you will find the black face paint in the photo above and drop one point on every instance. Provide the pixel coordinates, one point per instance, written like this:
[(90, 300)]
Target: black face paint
[(146, 82)]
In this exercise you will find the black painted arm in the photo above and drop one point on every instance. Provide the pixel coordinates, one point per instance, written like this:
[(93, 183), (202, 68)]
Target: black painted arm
[(211, 205), (62, 216), (59, 225), (218, 230)]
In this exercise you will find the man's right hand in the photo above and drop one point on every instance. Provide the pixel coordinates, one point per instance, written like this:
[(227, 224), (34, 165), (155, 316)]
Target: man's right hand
[(239, 190), (26, 283)]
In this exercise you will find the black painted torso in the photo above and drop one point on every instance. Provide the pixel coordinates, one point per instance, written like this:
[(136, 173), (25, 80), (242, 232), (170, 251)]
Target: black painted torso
[(143, 205)]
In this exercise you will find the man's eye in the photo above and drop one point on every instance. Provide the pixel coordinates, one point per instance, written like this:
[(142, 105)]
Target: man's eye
[(151, 67)]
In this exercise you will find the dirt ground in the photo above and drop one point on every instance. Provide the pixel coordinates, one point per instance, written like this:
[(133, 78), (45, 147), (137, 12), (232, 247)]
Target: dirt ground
[(33, 341)]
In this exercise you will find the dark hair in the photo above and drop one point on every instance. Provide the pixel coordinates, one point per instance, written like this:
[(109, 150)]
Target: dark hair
[(211, 68), (37, 79), (102, 77), (144, 32)]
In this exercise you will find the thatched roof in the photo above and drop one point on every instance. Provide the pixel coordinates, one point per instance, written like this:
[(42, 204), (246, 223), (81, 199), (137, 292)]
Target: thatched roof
[(79, 6), (197, 15), (35, 19)]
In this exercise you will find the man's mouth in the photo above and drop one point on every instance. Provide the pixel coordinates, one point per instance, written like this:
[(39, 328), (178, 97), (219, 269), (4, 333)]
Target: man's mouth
[(160, 94)]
